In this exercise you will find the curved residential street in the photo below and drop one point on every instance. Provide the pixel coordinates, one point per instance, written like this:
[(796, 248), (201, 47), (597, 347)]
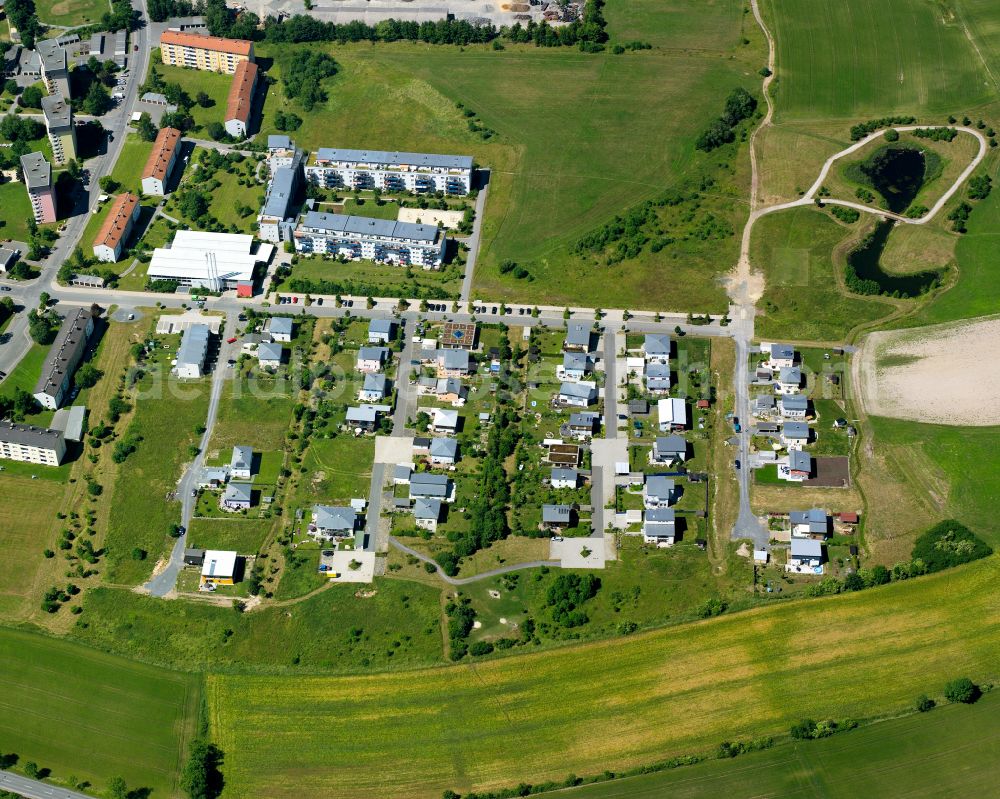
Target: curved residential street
[(534, 564)]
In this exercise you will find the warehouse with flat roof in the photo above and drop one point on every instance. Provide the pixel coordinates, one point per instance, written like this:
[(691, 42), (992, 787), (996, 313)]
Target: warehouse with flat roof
[(213, 261)]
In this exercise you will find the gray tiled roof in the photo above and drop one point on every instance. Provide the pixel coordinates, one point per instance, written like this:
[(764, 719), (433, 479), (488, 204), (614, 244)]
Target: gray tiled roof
[(659, 486), (329, 517), (556, 513), (578, 334), (425, 508), (238, 492), (795, 430), (444, 448), (368, 226), (269, 351), (384, 157), (656, 344)]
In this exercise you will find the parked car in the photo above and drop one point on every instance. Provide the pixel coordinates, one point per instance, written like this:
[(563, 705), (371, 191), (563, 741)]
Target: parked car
[(231, 340)]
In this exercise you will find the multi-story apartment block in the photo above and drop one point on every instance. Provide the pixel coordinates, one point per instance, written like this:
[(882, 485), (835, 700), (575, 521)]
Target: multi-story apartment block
[(38, 181), (161, 161), (275, 221), (59, 122), (55, 69), (20, 442), (334, 168), (212, 53), (240, 101), (117, 226), (63, 358), (281, 150), (379, 240)]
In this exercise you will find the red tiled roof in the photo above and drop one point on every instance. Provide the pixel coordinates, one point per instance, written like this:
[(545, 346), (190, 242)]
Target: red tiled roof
[(241, 92), (117, 222), (185, 39), (163, 151)]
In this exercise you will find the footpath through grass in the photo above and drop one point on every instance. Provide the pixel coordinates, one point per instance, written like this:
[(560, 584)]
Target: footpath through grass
[(611, 704), (79, 712), (952, 751)]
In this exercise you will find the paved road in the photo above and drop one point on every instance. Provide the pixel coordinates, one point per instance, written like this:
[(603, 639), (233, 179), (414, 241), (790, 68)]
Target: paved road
[(374, 515), (35, 789), (165, 582), (473, 243), (534, 564)]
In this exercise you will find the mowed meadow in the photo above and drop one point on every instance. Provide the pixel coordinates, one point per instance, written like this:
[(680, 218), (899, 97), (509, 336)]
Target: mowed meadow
[(79, 712), (609, 705), (579, 138)]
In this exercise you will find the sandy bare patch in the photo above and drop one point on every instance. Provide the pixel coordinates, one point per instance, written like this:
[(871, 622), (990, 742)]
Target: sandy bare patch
[(942, 374), (428, 216)]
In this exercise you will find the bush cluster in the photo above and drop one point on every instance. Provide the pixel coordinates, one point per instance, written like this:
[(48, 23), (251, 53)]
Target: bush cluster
[(740, 105)]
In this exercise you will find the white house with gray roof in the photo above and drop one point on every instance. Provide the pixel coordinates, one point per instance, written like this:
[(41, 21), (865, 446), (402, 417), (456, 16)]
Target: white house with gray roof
[(431, 486), (656, 348), (794, 435), (375, 387), (806, 554), (564, 478), (659, 527), (364, 238), (427, 513), (578, 335), (669, 449), (333, 522), (371, 359), (237, 497), (812, 523), (789, 380), (780, 356), (344, 168), (30, 444), (794, 406), (443, 451), (269, 355), (241, 463), (579, 394), (658, 378), (575, 366), (381, 331), (659, 491), (280, 328), (557, 516)]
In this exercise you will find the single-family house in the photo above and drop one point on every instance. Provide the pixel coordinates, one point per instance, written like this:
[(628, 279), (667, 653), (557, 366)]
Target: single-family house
[(443, 451), (453, 363), (421, 445), (575, 366), (381, 331), (658, 492), (279, 328), (789, 380), (763, 405), (329, 521), (372, 359), (578, 395), (794, 406), (812, 523), (806, 553), (213, 477), (564, 478), (673, 414), (659, 526), (241, 463), (656, 347), (459, 335), (427, 513), (794, 435), (362, 417), (578, 335), (557, 516), (799, 467), (237, 497), (581, 425), (401, 474), (218, 567), (427, 485), (269, 355), (374, 388), (638, 407), (781, 356), (450, 389), (444, 421), (669, 449), (658, 378)]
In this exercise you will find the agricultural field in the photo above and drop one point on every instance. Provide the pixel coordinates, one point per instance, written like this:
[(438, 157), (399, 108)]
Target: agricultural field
[(912, 61), (957, 744), (731, 678), (558, 171), (26, 518), (800, 252), (88, 716)]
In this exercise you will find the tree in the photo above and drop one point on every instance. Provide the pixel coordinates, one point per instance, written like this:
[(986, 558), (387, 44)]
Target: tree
[(217, 131), (201, 778), (204, 100), (145, 128), (962, 690), (891, 135), (31, 769), (98, 101), (10, 86), (31, 97), (87, 376), (193, 204), (108, 184), (117, 788), (925, 703), (947, 544), (41, 327)]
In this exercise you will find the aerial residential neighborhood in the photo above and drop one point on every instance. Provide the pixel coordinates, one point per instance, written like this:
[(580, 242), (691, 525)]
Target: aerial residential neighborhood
[(594, 397)]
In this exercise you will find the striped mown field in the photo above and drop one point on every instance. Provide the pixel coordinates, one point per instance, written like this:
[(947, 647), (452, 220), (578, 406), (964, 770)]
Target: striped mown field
[(606, 705)]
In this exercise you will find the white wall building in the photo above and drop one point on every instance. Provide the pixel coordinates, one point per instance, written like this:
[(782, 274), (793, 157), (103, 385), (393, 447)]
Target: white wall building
[(334, 168), (363, 238), (19, 442), (192, 352), (213, 261)]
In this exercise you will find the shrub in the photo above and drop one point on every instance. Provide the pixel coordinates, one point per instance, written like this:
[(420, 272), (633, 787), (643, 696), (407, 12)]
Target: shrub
[(962, 690), (480, 648), (949, 543), (925, 703)]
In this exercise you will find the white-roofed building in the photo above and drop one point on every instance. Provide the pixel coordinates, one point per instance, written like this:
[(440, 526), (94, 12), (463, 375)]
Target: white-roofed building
[(213, 261), (673, 414), (219, 567), (336, 168)]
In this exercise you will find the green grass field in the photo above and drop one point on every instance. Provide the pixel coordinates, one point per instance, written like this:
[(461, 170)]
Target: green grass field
[(804, 299), (559, 169), (852, 60), (951, 751), (71, 12), (16, 211), (606, 705), (214, 84), (256, 413), (26, 373), (82, 713), (26, 518), (140, 512), (243, 535), (131, 162)]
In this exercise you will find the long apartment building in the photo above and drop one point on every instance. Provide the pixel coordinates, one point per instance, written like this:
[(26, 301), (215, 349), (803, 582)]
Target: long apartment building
[(275, 220), (161, 162), (63, 358), (29, 444), (59, 123), (335, 168), (379, 240), (54, 66), (117, 227), (38, 181), (240, 102), (198, 51)]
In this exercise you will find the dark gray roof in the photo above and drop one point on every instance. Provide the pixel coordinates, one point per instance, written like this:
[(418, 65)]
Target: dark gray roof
[(373, 353), (799, 461), (454, 359), (578, 333), (381, 326), (563, 474), (658, 370), (424, 508), (57, 112), (384, 157), (335, 518), (577, 390), (575, 360), (242, 458), (194, 346), (269, 351), (37, 171), (807, 548), (815, 518), (782, 351), (52, 54), (790, 374), (280, 324), (795, 402), (424, 484), (279, 142), (660, 515), (556, 513), (584, 419), (376, 381), (368, 226), (65, 352), (29, 435), (671, 444), (795, 430)]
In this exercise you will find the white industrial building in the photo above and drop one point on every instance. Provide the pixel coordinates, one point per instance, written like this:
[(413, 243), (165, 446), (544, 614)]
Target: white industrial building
[(213, 261), (335, 168), (363, 238)]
